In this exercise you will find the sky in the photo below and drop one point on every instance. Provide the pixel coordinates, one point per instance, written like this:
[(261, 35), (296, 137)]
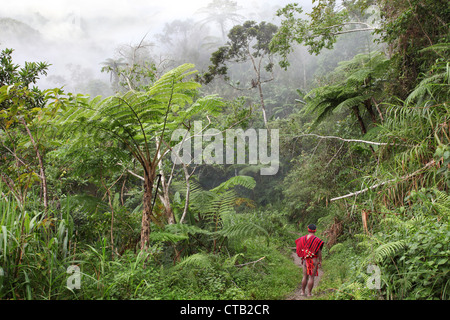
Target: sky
[(58, 18), (62, 17), (86, 32)]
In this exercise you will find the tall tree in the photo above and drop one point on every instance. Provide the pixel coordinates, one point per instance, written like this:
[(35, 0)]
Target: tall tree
[(24, 111), (113, 67), (136, 119), (321, 27), (221, 12), (406, 26), (185, 41), (247, 42)]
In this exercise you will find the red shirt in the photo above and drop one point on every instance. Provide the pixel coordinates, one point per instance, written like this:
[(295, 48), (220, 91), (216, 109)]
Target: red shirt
[(308, 247)]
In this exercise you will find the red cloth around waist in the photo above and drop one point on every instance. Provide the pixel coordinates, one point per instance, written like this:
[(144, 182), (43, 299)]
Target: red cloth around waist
[(308, 248)]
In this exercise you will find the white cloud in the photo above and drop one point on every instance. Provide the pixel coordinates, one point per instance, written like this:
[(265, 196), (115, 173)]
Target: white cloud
[(86, 32)]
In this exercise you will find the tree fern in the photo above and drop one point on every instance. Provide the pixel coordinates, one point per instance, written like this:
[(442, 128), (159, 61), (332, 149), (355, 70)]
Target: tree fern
[(137, 119), (242, 230), (161, 236), (351, 102), (214, 208), (356, 82), (199, 260), (244, 181), (435, 84), (221, 205), (219, 200), (200, 198), (417, 124)]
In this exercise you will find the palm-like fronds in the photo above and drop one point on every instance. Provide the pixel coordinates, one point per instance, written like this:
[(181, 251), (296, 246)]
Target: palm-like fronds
[(433, 88), (243, 181), (419, 123), (201, 260), (388, 250), (242, 230), (359, 80), (141, 123), (134, 118), (215, 204)]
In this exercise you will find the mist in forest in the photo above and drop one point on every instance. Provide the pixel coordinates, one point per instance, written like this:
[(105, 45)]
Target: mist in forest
[(76, 38)]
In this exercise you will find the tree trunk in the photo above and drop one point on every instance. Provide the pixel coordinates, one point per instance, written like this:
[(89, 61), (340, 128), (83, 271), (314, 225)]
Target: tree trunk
[(258, 83), (363, 127), (263, 106), (41, 167), (166, 202), (369, 109), (11, 186), (187, 176), (380, 114), (146, 212), (165, 199), (360, 120)]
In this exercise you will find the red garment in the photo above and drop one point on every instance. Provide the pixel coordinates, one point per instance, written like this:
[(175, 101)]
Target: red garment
[(308, 249)]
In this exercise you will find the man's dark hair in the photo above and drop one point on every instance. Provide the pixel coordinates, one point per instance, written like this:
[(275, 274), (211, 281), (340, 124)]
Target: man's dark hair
[(312, 227)]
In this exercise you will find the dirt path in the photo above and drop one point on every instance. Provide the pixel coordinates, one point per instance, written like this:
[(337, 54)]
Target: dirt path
[(296, 295)]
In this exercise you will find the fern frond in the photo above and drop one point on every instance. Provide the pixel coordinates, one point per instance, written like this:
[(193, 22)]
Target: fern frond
[(230, 262), (243, 181), (351, 102), (211, 104), (221, 204), (443, 203), (388, 250), (186, 230), (243, 230), (198, 260), (199, 198), (161, 236)]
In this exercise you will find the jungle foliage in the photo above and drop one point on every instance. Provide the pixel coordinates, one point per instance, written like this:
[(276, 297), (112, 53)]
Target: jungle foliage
[(89, 191)]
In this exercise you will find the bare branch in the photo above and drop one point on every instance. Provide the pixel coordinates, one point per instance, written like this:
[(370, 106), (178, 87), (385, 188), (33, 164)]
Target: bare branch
[(342, 139), (352, 30), (252, 262), (368, 26), (406, 177), (131, 172)]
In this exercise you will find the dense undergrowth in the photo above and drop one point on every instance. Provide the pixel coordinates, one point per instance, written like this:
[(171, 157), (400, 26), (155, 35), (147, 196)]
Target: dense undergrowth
[(410, 250), (39, 254)]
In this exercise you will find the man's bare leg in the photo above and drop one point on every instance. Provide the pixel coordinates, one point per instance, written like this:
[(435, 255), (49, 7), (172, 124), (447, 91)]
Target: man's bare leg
[(305, 279), (310, 285), (311, 278)]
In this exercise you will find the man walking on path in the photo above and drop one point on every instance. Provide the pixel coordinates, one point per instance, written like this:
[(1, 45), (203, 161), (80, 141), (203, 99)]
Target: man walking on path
[(309, 249)]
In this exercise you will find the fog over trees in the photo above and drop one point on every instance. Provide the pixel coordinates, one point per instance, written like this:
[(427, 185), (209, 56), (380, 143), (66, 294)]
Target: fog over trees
[(78, 36)]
